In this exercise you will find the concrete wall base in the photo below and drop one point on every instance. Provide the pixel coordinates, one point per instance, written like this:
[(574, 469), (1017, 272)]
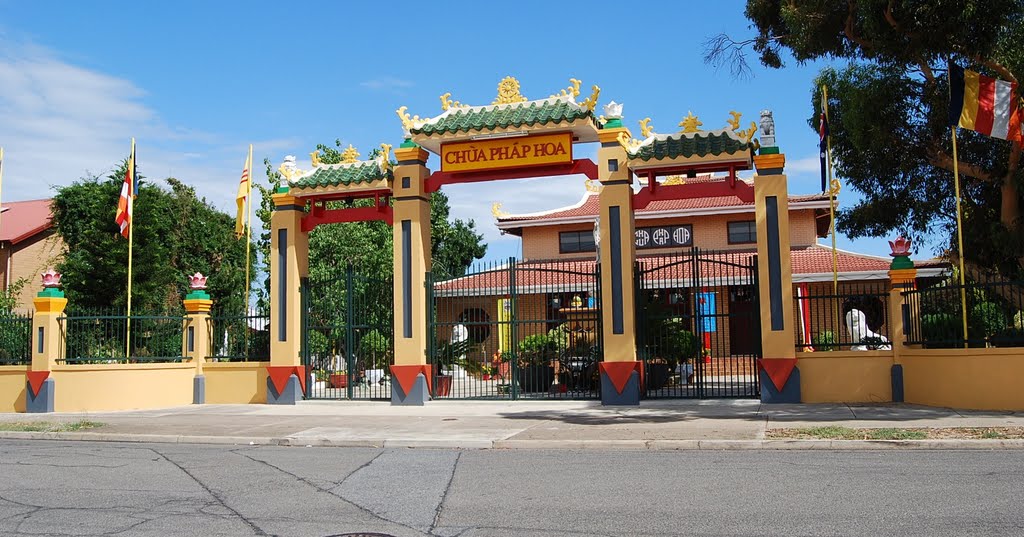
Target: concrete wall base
[(790, 392), (630, 395), (289, 396), (42, 402), (199, 390), (418, 395)]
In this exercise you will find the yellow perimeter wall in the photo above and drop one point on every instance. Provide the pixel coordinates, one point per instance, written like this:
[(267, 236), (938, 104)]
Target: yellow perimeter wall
[(81, 388), (235, 382), (12, 388), (975, 379), (845, 376)]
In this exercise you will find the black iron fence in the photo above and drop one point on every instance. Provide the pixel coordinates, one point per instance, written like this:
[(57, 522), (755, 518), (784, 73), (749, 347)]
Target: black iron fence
[(934, 313), (15, 338), (850, 316), (107, 337), (517, 329), (238, 337)]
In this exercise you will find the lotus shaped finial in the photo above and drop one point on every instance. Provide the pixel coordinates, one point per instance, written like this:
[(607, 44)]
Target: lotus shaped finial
[(51, 278), (900, 247), (197, 281), (613, 110)]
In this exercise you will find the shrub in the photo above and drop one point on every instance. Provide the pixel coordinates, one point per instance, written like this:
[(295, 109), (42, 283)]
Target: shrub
[(940, 330), (824, 340), (537, 349), (987, 318), (375, 350)]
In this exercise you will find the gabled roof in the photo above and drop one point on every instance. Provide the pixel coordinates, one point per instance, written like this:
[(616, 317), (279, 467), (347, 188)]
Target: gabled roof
[(689, 144), (351, 173), (589, 208), (466, 119), (21, 220)]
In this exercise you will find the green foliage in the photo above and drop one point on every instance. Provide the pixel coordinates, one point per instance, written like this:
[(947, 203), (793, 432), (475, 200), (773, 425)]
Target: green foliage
[(375, 350), (538, 349), (175, 234), (893, 93), (1018, 320), (824, 341), (939, 329), (987, 318)]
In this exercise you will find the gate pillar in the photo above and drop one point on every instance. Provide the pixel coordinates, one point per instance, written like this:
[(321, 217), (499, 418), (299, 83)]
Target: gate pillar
[(410, 374), (621, 373), (779, 378), (47, 347), (289, 264)]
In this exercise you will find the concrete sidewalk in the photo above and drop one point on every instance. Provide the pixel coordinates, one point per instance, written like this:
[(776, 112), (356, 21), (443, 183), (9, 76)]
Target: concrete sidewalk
[(677, 424)]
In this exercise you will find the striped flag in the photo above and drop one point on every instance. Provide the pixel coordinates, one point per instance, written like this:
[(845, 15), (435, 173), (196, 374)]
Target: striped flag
[(124, 204), (983, 104), (244, 189)]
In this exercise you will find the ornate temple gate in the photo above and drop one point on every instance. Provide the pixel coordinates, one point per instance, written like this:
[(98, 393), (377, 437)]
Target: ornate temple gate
[(517, 330), (347, 335), (698, 324)]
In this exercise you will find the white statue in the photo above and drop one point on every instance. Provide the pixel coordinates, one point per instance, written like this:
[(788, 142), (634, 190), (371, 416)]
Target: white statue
[(857, 325), (767, 131)]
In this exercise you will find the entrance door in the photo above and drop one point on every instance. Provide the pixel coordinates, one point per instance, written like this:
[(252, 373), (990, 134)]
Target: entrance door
[(742, 332)]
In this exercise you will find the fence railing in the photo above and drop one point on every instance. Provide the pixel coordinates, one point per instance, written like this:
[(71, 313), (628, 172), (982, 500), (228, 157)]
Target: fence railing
[(15, 338), (100, 337), (934, 313), (239, 337), (853, 317)]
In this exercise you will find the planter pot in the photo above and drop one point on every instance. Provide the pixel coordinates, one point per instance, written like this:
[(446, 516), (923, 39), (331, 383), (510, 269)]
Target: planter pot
[(657, 376), (442, 385), (338, 380), (536, 378), (485, 376)]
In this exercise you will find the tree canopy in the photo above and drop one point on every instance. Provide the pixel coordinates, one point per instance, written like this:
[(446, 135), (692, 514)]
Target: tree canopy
[(175, 235), (888, 107)]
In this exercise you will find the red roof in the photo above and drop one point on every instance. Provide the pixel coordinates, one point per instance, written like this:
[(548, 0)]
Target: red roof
[(21, 220), (716, 268), (590, 206)]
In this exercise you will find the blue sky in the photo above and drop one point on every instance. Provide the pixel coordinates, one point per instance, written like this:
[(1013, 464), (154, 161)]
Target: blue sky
[(196, 82)]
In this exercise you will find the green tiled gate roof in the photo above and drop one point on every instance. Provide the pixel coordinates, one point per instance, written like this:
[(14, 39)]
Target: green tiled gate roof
[(503, 116), (343, 174), (686, 145)]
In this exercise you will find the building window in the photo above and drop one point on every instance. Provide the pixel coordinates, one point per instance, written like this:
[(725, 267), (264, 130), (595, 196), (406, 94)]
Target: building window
[(742, 232), (576, 241)]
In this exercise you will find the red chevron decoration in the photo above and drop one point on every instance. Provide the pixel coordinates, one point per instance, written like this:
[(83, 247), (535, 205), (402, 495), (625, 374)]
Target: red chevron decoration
[(36, 379), (619, 372), (406, 376), (778, 369), (279, 376)]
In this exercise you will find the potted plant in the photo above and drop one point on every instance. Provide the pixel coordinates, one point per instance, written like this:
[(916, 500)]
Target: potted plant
[(536, 354), (446, 356), (670, 346), (338, 380)]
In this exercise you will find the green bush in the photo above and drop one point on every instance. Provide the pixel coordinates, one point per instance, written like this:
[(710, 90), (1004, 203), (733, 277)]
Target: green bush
[(940, 330), (986, 319), (537, 349), (824, 340)]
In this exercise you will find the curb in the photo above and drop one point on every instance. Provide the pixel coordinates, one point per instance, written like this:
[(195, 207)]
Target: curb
[(572, 445)]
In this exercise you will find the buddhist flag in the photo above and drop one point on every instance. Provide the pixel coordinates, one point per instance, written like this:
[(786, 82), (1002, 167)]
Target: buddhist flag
[(983, 104), (244, 189), (124, 204), (823, 151)]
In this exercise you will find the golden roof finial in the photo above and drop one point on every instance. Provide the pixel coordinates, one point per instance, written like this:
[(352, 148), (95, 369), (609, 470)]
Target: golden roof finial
[(592, 186), (447, 103), (573, 89), (408, 122), (591, 101), (385, 154), (508, 91), (349, 155), (496, 210), (627, 143), (674, 180), (645, 127), (690, 123), (734, 123), (315, 157)]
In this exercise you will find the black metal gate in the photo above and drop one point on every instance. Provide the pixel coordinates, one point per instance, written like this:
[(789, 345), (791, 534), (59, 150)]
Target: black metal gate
[(698, 324), (348, 341), (515, 330)]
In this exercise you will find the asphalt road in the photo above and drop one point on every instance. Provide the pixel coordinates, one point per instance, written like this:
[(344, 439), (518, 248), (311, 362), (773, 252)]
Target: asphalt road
[(67, 488)]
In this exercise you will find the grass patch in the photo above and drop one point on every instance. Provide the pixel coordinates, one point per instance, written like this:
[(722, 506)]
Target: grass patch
[(49, 426), (832, 432), (897, 434)]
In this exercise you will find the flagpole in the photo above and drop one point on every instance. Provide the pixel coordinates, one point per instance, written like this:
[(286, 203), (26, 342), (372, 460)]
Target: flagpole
[(248, 237), (2, 181), (831, 205), (959, 235), (131, 236)]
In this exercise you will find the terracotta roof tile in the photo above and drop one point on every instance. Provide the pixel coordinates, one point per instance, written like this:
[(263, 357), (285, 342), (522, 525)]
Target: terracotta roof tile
[(20, 220)]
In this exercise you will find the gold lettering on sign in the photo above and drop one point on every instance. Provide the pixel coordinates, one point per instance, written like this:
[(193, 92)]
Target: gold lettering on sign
[(507, 152)]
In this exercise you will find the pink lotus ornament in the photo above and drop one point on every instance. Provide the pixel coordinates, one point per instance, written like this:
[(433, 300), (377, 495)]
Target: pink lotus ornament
[(51, 279), (197, 282), (900, 247)]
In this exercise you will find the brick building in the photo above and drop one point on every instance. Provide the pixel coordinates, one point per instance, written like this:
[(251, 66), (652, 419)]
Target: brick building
[(29, 244)]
